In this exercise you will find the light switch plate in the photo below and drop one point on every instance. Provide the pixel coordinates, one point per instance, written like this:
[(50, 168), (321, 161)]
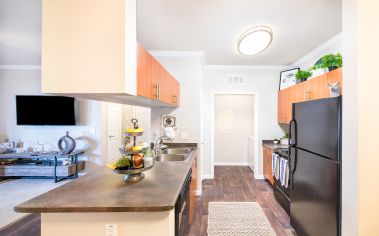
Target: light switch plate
[(110, 230)]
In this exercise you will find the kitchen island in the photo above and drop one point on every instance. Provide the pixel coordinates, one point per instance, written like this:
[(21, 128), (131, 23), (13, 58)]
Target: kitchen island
[(86, 205)]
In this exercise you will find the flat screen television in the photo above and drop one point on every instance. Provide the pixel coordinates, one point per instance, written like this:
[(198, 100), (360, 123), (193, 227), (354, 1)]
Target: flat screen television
[(45, 110)]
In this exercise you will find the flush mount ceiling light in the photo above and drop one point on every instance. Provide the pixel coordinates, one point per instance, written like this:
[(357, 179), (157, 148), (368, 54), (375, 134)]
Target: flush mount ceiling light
[(255, 40)]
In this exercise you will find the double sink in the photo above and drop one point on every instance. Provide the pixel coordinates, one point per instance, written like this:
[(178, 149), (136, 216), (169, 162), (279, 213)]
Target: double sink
[(174, 154)]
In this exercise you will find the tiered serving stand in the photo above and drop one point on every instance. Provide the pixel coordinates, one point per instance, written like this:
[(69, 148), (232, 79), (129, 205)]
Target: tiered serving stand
[(133, 175)]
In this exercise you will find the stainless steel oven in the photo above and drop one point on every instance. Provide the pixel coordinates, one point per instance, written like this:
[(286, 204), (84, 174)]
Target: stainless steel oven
[(281, 192), (182, 221)]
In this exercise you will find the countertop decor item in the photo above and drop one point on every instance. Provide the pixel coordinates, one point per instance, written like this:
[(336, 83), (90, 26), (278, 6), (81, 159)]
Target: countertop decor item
[(69, 144), (287, 78), (303, 75)]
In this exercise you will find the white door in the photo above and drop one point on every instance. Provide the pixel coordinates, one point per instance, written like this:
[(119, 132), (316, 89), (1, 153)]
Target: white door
[(233, 124), (114, 126)]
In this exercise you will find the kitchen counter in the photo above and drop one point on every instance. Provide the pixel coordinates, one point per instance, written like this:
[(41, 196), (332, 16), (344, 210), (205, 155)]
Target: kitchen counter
[(270, 144), (105, 191)]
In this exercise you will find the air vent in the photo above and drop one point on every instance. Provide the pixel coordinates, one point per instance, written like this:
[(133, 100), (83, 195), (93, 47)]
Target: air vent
[(235, 79)]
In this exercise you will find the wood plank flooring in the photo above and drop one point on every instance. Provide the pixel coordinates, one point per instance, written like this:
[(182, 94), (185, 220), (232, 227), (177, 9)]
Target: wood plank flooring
[(230, 184), (237, 184)]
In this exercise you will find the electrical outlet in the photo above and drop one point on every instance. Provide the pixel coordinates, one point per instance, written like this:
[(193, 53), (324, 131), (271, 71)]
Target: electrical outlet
[(110, 230)]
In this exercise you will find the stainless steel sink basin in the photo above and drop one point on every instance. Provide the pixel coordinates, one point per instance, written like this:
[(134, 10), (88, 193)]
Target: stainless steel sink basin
[(177, 151), (172, 157)]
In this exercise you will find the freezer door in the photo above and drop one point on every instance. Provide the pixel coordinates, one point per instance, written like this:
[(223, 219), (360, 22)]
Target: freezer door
[(315, 198), (317, 126)]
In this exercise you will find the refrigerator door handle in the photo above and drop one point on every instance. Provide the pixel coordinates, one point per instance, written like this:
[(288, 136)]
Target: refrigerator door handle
[(294, 166), (290, 143)]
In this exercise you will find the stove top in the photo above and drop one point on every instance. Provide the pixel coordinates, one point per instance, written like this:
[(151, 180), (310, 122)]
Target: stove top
[(283, 151)]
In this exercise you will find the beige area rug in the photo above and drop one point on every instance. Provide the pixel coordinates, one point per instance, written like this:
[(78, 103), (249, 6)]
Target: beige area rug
[(237, 219), (16, 191)]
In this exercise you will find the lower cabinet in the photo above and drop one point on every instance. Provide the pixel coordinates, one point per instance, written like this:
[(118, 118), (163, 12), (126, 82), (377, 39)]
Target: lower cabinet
[(193, 189), (267, 164)]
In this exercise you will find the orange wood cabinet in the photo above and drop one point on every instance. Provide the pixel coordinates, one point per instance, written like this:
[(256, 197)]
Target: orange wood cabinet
[(193, 188), (154, 81), (315, 88), (267, 164)]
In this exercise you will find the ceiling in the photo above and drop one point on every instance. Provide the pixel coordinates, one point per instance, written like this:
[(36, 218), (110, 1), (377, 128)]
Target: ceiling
[(214, 26), (20, 32)]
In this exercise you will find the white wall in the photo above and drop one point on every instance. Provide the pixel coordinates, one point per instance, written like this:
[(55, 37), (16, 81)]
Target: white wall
[(188, 71), (264, 83), (28, 82), (233, 124), (332, 46)]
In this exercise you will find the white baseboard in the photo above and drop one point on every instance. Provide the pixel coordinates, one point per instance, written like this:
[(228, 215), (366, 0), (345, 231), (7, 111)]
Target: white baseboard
[(259, 176), (206, 177), (231, 164)]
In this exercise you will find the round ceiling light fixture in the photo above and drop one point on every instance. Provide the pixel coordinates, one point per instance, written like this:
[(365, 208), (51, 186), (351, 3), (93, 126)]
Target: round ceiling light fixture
[(255, 40)]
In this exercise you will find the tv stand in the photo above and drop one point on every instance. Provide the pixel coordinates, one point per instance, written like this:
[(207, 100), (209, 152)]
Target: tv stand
[(49, 164)]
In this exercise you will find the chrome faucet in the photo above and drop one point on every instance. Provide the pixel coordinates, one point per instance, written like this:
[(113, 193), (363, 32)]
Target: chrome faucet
[(159, 143)]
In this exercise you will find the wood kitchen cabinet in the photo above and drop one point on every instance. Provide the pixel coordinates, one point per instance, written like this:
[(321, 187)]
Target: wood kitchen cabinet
[(154, 81), (267, 164), (99, 57), (315, 88), (193, 188)]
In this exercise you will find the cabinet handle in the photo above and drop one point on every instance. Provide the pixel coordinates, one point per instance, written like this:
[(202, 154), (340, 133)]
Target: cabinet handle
[(174, 99), (156, 88), (159, 90), (308, 95)]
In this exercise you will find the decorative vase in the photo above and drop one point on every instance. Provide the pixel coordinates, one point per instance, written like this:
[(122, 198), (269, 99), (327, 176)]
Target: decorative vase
[(69, 144)]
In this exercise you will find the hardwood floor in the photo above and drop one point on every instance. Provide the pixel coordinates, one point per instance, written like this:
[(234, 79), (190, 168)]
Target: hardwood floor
[(237, 184), (230, 184), (27, 226)]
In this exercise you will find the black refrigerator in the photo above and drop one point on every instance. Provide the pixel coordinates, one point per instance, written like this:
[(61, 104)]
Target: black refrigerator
[(315, 154)]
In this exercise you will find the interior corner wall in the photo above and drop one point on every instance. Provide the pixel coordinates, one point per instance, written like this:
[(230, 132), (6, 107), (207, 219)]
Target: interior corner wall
[(264, 83), (28, 82)]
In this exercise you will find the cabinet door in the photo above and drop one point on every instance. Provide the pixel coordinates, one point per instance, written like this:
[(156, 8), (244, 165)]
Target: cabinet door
[(291, 98), (317, 88), (267, 164), (144, 73), (193, 189)]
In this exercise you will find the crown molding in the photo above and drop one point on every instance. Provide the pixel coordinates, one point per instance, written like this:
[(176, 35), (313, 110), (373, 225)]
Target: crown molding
[(247, 67), (20, 67), (169, 53), (317, 52)]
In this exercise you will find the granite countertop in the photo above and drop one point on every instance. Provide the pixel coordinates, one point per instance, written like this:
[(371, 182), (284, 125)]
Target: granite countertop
[(272, 145), (105, 191)]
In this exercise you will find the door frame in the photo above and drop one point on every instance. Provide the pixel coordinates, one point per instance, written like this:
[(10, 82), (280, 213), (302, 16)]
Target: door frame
[(256, 134)]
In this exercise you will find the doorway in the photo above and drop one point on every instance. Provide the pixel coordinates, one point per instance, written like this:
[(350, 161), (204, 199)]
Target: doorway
[(234, 130)]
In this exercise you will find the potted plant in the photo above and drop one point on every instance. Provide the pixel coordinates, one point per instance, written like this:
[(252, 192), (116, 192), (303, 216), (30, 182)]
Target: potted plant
[(303, 75), (329, 61)]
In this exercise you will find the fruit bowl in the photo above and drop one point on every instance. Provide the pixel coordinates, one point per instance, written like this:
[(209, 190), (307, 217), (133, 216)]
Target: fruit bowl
[(133, 175), (131, 152)]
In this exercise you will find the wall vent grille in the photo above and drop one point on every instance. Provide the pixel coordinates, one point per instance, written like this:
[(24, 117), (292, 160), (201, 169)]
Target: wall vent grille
[(235, 79)]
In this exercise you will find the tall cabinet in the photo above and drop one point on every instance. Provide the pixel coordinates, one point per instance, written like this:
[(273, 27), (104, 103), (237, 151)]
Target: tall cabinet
[(90, 50), (315, 88)]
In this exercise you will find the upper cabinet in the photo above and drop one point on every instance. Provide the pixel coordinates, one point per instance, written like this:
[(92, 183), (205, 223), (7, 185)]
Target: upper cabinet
[(315, 88), (89, 49)]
